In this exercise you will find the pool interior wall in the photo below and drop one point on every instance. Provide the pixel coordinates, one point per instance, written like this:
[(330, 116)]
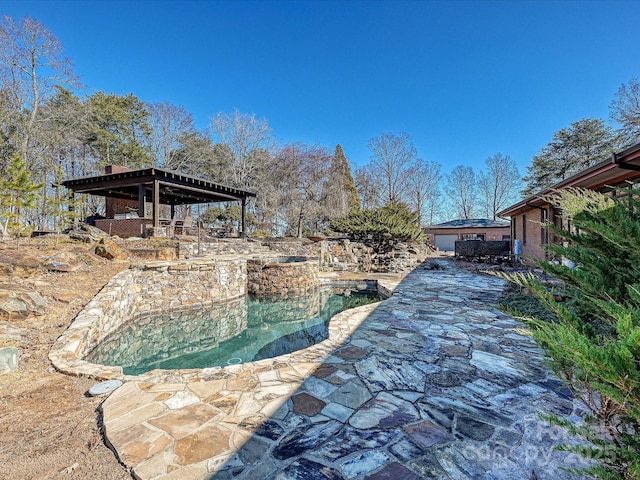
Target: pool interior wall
[(148, 288), (145, 288), (243, 330)]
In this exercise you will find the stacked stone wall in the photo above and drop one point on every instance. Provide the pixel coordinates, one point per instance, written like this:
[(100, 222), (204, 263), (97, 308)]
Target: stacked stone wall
[(332, 254), (181, 326), (282, 275), (380, 257), (220, 247), (293, 247), (144, 289)]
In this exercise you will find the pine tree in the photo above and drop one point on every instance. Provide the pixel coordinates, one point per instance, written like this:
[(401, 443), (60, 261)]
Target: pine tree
[(339, 193), (341, 166), (595, 342), (17, 193), (582, 144)]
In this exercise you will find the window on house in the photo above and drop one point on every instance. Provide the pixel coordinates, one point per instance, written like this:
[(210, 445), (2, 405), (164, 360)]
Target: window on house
[(506, 237), (543, 228), (472, 236), (524, 229)]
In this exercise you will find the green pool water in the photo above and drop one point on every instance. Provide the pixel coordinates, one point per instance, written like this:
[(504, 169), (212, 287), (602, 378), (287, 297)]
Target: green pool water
[(243, 330)]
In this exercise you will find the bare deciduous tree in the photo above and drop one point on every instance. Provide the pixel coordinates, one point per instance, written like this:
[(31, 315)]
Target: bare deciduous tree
[(168, 124), (303, 174), (391, 157), (369, 188), (422, 191), (244, 135), (625, 110), (461, 189), (499, 184), (31, 63)]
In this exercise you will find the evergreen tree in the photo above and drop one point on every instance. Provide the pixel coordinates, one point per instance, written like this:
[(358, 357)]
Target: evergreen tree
[(595, 342), (393, 221), (341, 166), (119, 130), (584, 143), (17, 193), (340, 195)]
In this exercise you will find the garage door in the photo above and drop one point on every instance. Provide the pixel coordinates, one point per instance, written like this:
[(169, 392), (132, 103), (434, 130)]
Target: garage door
[(446, 243)]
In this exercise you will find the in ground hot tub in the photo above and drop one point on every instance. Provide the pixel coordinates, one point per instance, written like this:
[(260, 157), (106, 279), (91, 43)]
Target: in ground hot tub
[(282, 275)]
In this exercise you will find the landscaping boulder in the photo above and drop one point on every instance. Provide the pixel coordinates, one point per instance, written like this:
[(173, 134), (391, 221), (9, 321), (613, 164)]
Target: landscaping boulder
[(87, 233), (62, 262), (9, 359), (17, 264), (16, 303), (110, 250)]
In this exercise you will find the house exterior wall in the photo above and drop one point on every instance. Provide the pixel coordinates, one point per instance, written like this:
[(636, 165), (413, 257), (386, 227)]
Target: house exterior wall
[(490, 233), (534, 236)]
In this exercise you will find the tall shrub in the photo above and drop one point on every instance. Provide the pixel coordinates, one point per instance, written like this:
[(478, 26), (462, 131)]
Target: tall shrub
[(17, 195), (594, 346), (394, 221)]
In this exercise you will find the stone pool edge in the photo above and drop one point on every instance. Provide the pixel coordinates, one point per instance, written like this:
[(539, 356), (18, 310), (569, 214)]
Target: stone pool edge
[(153, 287)]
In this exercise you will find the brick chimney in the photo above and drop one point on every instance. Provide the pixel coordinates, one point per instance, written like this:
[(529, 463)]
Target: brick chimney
[(118, 205)]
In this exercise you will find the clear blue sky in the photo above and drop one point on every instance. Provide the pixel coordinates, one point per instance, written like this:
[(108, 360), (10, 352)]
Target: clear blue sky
[(466, 79)]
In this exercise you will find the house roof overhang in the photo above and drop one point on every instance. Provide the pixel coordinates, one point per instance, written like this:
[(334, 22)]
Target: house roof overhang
[(175, 188), (623, 166)]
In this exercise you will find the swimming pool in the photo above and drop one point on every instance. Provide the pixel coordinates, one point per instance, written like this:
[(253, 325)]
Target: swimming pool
[(243, 330)]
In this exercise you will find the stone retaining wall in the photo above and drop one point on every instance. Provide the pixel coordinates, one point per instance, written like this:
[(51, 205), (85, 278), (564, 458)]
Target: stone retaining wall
[(334, 254), (234, 246), (145, 288), (281, 275), (300, 247)]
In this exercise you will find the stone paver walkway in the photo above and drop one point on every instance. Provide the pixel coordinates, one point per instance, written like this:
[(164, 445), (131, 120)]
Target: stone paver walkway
[(434, 383)]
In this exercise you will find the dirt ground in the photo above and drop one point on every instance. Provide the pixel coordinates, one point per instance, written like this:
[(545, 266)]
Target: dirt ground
[(49, 427)]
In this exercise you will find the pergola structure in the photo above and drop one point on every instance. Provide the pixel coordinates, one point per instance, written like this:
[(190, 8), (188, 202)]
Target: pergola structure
[(158, 187)]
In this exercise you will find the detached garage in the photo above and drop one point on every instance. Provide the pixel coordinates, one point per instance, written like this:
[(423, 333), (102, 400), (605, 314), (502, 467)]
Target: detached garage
[(445, 242), (443, 236)]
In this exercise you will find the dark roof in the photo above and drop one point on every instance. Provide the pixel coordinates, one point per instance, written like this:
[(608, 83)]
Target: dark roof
[(621, 167), (175, 188), (473, 223)]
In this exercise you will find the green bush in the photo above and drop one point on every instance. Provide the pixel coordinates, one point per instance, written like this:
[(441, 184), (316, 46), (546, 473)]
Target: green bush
[(518, 304), (594, 345), (394, 221)]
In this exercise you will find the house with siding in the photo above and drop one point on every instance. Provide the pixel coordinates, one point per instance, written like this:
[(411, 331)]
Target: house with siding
[(616, 177)]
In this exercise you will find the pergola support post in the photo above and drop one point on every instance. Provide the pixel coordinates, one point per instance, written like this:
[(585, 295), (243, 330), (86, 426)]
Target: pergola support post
[(142, 192), (243, 232), (156, 204), (72, 209)]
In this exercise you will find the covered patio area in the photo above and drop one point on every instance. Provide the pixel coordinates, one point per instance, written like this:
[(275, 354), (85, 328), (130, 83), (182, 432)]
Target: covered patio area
[(134, 197)]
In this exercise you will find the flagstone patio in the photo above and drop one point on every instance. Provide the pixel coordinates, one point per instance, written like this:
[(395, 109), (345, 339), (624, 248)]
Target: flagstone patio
[(432, 383)]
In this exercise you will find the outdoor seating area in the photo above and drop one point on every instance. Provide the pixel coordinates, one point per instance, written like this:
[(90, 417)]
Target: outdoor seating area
[(145, 203)]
